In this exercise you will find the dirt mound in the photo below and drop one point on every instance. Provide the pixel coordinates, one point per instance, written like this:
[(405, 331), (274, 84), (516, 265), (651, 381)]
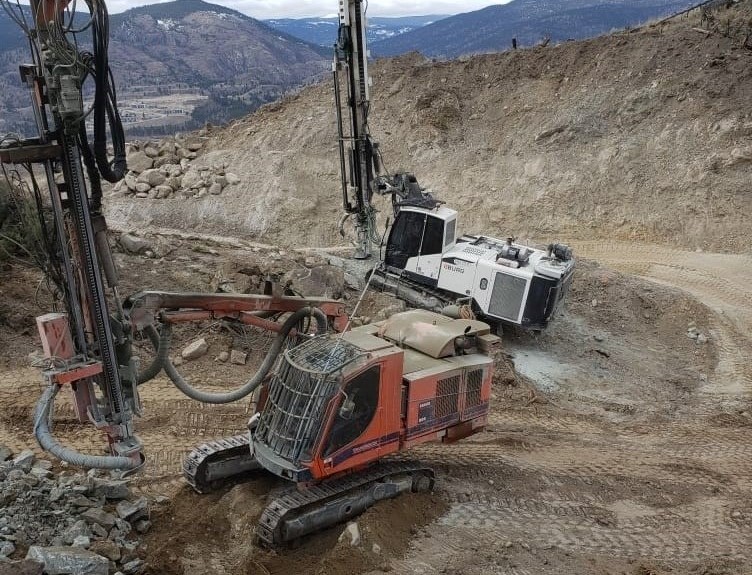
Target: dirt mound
[(640, 135)]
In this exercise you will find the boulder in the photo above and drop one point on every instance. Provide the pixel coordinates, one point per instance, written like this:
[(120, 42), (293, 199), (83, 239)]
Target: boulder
[(161, 192), (130, 181), (139, 162), (152, 177), (175, 183), (194, 350), (111, 489), (167, 147), (106, 548), (215, 189), (194, 144), (134, 567), (168, 159), (238, 357), (232, 179), (99, 517), (69, 560), (151, 151), (139, 509), (24, 460), (192, 180), (323, 281), (142, 188), (133, 244), (221, 180)]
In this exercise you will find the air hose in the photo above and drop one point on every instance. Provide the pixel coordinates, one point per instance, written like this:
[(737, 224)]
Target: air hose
[(50, 444), (163, 361)]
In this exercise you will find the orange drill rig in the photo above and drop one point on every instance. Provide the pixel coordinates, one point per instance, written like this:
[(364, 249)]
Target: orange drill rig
[(337, 405)]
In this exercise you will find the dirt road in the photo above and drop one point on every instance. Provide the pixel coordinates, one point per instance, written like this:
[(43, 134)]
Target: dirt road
[(621, 447)]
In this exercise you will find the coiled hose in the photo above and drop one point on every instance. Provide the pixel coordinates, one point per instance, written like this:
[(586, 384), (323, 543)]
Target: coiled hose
[(162, 361), (48, 443)]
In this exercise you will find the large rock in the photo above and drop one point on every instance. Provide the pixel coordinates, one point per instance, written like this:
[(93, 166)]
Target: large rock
[(134, 510), (192, 180), (133, 244), (232, 179), (111, 489), (69, 561), (166, 160), (152, 177), (131, 182), (24, 460), (106, 548), (161, 192), (139, 162), (99, 517), (195, 349), (215, 189), (323, 281), (151, 151)]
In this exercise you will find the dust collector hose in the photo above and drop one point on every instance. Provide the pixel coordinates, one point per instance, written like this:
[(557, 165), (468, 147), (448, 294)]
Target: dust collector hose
[(256, 380), (51, 445), (162, 347)]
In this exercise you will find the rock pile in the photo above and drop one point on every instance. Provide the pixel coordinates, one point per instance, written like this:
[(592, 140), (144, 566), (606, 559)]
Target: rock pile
[(69, 523), (160, 170)]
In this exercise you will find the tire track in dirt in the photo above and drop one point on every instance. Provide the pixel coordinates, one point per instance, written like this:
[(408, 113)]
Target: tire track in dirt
[(722, 282)]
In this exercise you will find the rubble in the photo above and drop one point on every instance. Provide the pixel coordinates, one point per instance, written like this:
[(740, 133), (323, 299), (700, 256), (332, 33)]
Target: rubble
[(162, 170), (69, 523)]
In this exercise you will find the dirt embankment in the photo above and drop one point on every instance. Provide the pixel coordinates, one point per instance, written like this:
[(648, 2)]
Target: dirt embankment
[(642, 135)]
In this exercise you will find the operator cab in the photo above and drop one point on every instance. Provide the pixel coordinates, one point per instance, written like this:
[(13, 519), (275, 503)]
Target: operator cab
[(418, 239)]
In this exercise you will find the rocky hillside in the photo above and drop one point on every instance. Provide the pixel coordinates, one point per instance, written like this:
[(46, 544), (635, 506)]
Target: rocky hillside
[(180, 64), (645, 135), (530, 22)]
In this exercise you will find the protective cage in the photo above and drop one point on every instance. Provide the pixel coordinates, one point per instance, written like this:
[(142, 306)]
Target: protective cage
[(307, 378)]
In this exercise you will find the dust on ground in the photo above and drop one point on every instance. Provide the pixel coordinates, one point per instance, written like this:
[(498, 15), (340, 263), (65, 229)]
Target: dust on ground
[(615, 443)]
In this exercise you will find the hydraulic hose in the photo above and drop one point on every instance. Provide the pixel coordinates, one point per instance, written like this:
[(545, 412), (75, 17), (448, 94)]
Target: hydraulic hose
[(161, 344), (255, 381), (51, 445)]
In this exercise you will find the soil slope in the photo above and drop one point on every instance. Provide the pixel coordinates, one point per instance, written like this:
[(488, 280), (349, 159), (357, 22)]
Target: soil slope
[(644, 135)]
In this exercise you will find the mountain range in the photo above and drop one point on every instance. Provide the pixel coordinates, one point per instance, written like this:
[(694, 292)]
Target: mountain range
[(492, 29), (323, 31)]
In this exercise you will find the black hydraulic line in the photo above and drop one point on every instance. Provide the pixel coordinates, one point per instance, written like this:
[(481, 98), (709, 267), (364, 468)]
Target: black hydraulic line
[(161, 344), (342, 169), (258, 378)]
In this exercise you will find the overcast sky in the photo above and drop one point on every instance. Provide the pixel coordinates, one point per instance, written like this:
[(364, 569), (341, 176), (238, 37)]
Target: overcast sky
[(302, 8)]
